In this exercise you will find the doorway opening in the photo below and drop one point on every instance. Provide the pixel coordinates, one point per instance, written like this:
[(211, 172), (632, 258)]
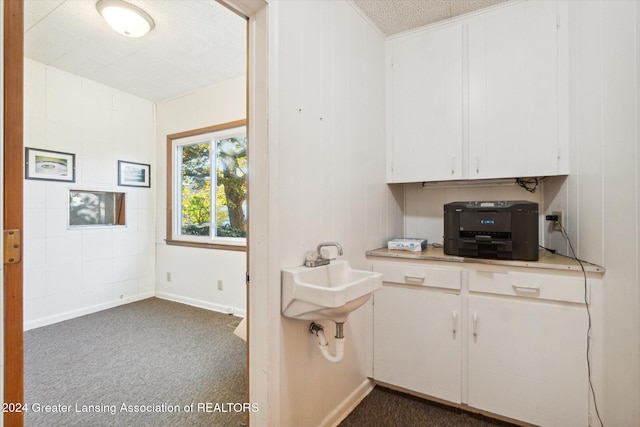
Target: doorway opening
[(13, 37)]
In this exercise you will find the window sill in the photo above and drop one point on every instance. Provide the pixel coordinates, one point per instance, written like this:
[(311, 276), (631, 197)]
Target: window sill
[(95, 226), (219, 246)]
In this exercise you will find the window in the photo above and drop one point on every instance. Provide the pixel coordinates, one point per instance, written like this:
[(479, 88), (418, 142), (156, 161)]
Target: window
[(96, 208), (207, 187)]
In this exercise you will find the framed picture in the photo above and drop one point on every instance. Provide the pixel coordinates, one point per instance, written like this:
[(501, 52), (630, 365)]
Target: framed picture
[(50, 165), (132, 174)]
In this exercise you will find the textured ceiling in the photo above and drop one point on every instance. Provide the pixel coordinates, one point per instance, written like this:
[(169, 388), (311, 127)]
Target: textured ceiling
[(395, 16), (195, 43)]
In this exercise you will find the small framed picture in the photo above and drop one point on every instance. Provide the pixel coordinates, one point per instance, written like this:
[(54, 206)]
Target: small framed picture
[(132, 174), (49, 165)]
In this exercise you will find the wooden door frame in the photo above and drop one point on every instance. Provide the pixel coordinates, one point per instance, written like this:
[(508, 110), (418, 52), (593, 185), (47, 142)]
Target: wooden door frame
[(13, 26)]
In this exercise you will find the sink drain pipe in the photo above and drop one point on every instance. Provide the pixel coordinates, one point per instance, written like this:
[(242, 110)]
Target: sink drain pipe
[(323, 345)]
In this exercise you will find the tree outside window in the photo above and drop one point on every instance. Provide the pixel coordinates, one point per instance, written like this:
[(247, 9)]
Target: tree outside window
[(210, 184), (231, 190)]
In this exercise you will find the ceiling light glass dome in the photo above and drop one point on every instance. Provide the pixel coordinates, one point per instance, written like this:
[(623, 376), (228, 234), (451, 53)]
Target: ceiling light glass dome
[(125, 18)]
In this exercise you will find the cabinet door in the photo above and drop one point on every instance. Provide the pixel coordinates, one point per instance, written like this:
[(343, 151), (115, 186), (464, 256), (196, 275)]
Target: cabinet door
[(515, 101), (426, 106), (417, 340), (527, 360)]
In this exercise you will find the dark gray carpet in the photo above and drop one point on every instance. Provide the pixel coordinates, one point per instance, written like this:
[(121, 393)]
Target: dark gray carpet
[(388, 408), (155, 357)]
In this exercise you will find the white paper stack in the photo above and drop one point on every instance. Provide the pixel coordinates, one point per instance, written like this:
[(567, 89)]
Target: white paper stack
[(416, 245)]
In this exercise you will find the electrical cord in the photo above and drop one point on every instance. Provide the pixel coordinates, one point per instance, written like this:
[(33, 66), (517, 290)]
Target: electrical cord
[(586, 301), (530, 184), (553, 251)]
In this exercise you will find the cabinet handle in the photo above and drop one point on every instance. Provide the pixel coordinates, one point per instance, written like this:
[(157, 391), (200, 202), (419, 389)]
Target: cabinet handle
[(455, 322), (477, 164), (453, 165), (414, 278), (475, 326), (526, 288)]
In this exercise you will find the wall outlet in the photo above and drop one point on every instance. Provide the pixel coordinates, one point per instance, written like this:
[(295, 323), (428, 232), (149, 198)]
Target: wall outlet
[(558, 225), (219, 285), (168, 276)]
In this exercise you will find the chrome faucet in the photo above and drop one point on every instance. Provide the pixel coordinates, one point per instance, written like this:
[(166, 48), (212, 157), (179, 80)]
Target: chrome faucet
[(322, 245), (316, 260)]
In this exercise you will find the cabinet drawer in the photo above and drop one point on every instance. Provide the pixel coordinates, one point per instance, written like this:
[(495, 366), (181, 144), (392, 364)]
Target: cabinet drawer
[(540, 286), (419, 275)]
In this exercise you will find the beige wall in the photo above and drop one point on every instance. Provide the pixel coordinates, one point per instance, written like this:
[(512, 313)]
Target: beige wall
[(195, 272)]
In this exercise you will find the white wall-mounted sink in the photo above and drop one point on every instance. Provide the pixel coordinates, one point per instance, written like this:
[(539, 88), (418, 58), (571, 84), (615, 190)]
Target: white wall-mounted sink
[(328, 292)]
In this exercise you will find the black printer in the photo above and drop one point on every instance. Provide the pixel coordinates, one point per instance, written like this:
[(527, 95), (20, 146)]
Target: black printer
[(496, 229)]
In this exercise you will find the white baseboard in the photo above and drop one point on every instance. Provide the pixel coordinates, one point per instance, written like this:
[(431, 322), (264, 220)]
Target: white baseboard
[(202, 304), (341, 412), (67, 315)]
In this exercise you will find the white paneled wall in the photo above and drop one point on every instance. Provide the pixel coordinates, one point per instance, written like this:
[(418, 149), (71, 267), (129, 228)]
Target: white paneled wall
[(73, 272), (195, 272), (327, 183), (602, 195)]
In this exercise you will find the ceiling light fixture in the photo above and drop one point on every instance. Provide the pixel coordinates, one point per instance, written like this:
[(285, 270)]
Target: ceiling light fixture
[(125, 18)]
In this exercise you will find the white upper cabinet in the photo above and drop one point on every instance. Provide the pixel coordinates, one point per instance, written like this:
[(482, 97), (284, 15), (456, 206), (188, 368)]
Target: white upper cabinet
[(515, 86), (481, 97), (426, 112)]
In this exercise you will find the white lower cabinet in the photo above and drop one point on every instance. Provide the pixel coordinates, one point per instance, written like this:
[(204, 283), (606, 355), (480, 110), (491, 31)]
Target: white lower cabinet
[(417, 340), (527, 360), (507, 341)]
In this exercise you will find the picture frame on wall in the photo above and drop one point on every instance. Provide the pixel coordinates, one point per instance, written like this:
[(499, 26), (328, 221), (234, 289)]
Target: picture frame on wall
[(48, 165), (132, 174)]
